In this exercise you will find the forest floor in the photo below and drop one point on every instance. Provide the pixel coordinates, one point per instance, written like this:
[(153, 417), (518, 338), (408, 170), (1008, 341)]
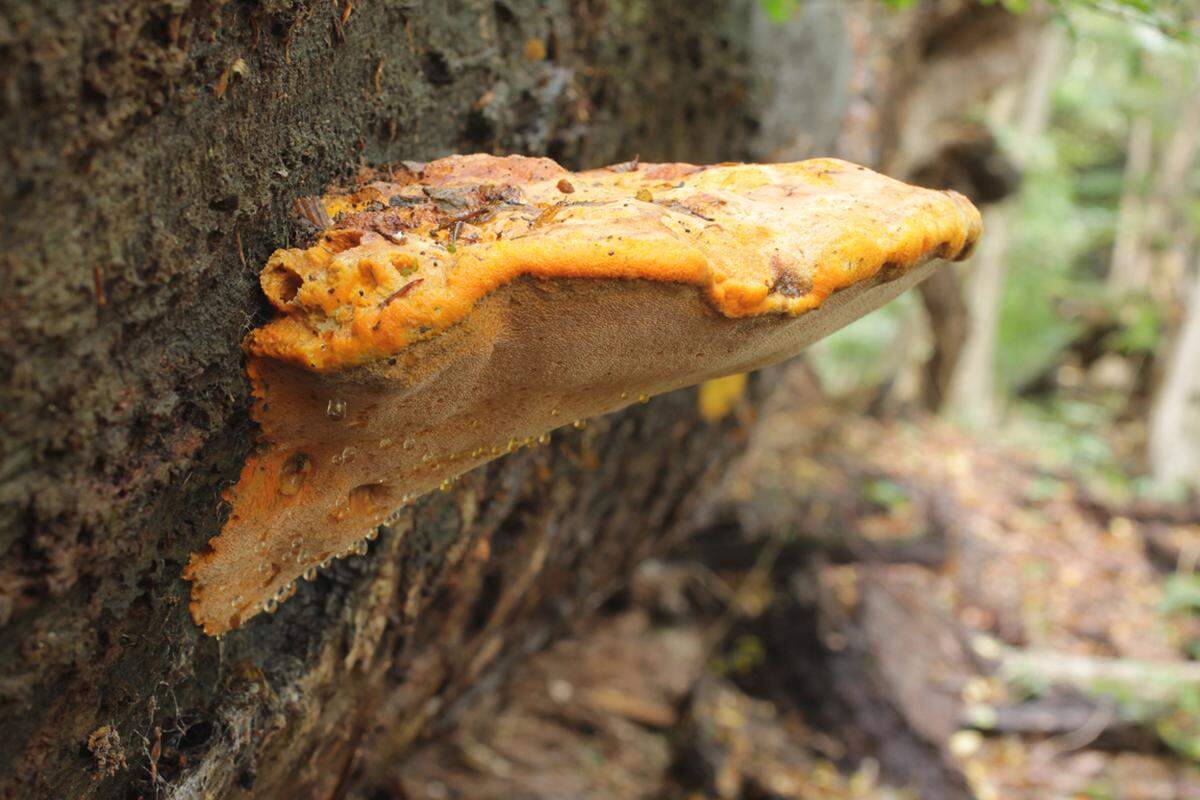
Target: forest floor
[(882, 609)]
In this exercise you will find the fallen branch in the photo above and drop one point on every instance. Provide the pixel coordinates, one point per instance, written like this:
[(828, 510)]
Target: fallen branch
[(1045, 716), (1135, 680), (723, 548)]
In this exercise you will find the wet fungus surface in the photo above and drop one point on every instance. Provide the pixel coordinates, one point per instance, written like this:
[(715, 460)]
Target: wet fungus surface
[(454, 311)]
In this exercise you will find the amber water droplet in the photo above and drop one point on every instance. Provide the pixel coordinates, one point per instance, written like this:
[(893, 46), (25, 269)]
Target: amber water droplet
[(310, 574), (643, 398), (336, 410), (271, 606), (409, 443), (369, 497), (624, 395), (294, 473), (579, 424), (372, 534), (544, 439), (445, 485), (513, 444)]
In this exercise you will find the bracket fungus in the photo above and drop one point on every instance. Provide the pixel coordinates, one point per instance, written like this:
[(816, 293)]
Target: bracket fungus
[(454, 311)]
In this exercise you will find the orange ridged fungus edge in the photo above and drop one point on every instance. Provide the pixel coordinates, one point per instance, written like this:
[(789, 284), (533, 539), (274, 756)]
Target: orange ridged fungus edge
[(453, 311)]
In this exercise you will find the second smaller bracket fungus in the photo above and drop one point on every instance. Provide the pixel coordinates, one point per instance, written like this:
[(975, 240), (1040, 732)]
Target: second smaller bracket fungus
[(458, 310)]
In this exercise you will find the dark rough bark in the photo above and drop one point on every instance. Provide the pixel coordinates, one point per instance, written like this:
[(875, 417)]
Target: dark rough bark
[(153, 150)]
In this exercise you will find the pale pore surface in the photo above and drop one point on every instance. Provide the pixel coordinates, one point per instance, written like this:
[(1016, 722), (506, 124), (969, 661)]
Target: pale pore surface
[(406, 375)]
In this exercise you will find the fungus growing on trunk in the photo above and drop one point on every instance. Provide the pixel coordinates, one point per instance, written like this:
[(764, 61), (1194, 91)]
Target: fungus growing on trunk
[(455, 311)]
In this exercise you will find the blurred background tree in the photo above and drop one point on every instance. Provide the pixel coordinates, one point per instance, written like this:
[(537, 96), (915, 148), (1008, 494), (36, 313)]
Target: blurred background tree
[(1084, 324)]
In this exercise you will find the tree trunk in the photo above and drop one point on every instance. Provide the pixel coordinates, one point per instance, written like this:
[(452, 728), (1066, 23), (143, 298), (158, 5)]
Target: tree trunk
[(950, 322), (972, 387), (1174, 435), (1125, 272), (1157, 212), (154, 152), (958, 59)]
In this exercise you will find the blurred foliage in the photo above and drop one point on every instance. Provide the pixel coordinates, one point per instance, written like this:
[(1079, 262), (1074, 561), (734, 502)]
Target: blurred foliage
[(1180, 729), (1181, 592), (1141, 328), (1173, 18), (779, 10), (1181, 597), (743, 655), (884, 494), (1071, 190), (863, 354), (1068, 434)]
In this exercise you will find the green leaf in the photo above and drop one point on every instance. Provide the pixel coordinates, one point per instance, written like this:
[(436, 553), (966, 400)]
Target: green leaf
[(884, 494), (779, 11), (1181, 593)]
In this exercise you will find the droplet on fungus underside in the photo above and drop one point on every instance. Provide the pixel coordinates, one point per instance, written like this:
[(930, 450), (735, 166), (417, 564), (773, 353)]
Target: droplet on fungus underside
[(336, 409), (551, 308), (294, 473)]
